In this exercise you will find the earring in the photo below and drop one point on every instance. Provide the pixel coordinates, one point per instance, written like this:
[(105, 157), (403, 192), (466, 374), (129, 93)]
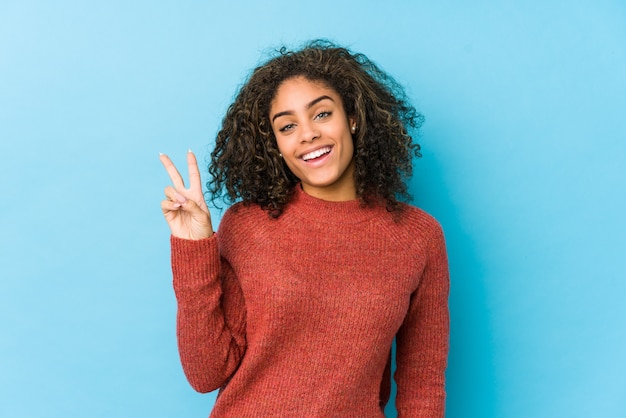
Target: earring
[(353, 129), (281, 155)]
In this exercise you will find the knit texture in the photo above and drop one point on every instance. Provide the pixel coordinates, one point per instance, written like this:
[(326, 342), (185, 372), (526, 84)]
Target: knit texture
[(295, 316)]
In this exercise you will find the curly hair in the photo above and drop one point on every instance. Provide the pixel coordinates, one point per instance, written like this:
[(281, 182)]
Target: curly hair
[(246, 164)]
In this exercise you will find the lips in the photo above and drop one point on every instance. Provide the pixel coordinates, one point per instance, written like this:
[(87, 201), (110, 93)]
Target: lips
[(316, 153)]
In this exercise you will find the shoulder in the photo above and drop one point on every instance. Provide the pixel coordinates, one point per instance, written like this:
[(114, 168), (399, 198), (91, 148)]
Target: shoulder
[(241, 215), (419, 217), (415, 219), (414, 226), (242, 223)]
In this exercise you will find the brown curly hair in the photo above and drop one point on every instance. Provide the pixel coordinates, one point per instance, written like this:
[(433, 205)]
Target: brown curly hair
[(246, 164)]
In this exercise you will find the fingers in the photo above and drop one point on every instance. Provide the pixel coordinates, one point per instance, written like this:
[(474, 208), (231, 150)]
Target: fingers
[(195, 183), (175, 197), (169, 206), (175, 176), (173, 201), (201, 226), (186, 219), (178, 200)]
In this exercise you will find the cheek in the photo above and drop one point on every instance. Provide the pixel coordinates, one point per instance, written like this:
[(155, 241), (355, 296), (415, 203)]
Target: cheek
[(349, 145), (282, 146), (286, 151)]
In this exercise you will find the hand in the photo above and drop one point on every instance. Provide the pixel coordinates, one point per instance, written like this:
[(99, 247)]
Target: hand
[(184, 209)]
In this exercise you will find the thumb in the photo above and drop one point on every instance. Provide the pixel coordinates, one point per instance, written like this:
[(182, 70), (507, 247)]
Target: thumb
[(192, 208), (200, 217), (188, 205)]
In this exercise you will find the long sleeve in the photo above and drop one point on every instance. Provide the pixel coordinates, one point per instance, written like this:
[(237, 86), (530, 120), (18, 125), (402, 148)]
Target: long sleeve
[(211, 314), (423, 339), (294, 347)]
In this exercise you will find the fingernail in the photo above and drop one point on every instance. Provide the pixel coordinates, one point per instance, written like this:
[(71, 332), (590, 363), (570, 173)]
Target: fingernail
[(180, 198), (176, 205), (189, 150)]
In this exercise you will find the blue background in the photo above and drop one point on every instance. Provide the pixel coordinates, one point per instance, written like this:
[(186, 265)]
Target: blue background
[(523, 146)]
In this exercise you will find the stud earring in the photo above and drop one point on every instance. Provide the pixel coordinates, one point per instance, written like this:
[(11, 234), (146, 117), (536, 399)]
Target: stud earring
[(281, 155), (353, 129)]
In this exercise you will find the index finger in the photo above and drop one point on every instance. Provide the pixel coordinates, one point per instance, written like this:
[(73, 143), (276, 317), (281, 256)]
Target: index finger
[(175, 176), (195, 182)]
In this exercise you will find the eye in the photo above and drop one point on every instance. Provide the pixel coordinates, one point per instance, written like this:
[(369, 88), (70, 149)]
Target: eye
[(323, 115), (287, 127)]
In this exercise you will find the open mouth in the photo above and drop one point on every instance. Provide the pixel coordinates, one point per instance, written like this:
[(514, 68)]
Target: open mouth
[(317, 154)]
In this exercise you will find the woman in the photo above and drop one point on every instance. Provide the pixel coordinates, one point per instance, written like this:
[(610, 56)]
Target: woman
[(292, 307)]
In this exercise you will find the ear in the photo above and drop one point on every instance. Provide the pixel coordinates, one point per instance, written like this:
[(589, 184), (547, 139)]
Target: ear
[(352, 124)]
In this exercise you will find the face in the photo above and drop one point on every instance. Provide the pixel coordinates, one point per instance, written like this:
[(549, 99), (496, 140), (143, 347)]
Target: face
[(314, 136)]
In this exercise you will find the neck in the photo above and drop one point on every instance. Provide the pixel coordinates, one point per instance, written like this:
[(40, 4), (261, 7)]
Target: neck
[(320, 211), (330, 194), (341, 190)]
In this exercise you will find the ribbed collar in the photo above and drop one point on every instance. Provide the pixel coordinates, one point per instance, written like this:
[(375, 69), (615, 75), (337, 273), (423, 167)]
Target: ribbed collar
[(311, 208)]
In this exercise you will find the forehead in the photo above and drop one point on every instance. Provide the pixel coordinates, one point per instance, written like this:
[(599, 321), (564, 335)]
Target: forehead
[(301, 90)]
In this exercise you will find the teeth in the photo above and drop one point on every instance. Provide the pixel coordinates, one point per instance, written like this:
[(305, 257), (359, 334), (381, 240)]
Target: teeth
[(316, 153)]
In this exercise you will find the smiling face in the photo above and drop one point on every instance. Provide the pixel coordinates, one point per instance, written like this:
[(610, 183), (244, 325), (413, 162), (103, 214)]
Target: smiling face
[(312, 132)]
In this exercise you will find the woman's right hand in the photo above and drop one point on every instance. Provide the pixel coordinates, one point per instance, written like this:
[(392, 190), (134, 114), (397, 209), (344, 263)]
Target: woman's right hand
[(184, 209)]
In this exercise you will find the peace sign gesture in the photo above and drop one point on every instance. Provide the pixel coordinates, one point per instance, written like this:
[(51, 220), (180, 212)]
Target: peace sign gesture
[(184, 209)]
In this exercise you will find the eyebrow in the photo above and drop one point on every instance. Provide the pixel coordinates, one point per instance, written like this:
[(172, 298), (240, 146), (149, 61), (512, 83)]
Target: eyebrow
[(308, 106)]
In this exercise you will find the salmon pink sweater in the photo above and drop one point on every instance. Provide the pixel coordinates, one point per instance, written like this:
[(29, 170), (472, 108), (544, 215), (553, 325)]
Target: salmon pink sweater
[(295, 316)]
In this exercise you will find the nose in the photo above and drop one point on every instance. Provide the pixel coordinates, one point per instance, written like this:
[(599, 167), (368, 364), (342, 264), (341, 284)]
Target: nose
[(308, 132)]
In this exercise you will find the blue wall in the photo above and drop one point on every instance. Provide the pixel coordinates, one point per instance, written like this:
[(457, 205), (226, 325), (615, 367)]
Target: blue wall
[(523, 149)]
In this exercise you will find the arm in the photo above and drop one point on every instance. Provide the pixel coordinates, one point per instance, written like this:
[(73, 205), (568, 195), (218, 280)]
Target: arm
[(423, 339), (385, 385), (211, 310), (211, 313)]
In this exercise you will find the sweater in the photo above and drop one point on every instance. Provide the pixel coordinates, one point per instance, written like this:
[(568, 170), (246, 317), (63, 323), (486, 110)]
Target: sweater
[(295, 316)]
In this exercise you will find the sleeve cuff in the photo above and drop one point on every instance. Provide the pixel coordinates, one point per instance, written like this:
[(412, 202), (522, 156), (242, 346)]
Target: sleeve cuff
[(194, 262)]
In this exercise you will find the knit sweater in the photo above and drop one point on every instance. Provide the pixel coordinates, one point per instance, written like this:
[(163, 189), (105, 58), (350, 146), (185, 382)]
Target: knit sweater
[(295, 316)]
